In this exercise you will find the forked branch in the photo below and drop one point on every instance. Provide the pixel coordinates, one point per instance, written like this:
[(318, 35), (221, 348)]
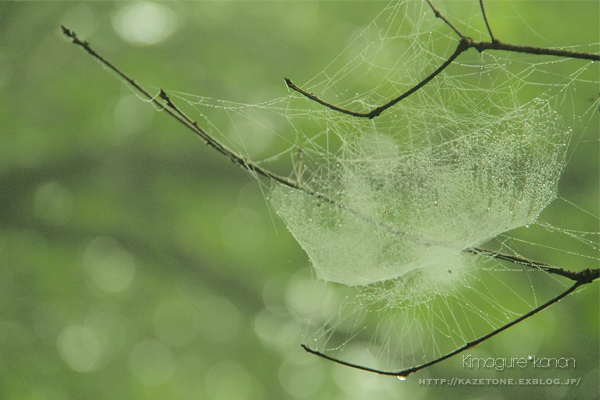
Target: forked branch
[(465, 43)]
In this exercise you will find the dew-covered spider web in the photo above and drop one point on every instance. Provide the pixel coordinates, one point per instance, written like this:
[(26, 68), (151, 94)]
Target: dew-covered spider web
[(471, 160)]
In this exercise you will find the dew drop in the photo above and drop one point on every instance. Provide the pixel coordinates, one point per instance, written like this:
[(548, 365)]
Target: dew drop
[(402, 378)]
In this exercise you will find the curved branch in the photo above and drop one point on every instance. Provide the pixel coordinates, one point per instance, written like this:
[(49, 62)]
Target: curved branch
[(586, 277)]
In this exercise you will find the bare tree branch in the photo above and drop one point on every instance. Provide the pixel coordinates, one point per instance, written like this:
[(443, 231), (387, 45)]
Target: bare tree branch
[(464, 44), (176, 113), (586, 276), (581, 276), (486, 21)]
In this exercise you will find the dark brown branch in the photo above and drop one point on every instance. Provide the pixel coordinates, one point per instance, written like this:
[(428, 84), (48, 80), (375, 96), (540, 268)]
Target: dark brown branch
[(586, 276), (515, 48), (314, 98), (439, 15), (464, 44), (486, 21), (248, 165), (173, 111)]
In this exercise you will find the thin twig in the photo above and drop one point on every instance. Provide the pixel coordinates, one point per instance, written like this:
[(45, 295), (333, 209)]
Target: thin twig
[(586, 276), (176, 113), (515, 48), (486, 21), (464, 44), (574, 276), (314, 98), (439, 15), (248, 165)]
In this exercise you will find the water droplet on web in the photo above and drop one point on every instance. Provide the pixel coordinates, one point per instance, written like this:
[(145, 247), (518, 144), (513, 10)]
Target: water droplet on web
[(402, 378)]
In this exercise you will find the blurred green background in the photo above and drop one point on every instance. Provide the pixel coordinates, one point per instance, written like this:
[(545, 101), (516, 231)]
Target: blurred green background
[(136, 263)]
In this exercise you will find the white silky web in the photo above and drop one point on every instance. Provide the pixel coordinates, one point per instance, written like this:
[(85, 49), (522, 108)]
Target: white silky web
[(453, 186), (449, 168), (473, 155)]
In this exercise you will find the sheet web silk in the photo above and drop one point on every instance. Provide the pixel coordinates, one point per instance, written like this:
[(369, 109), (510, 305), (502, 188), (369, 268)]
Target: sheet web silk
[(449, 168), (474, 154)]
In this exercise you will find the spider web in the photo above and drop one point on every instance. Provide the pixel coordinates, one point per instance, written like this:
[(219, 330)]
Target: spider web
[(471, 160)]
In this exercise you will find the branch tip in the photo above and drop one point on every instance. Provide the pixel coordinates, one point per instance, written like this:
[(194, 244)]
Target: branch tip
[(163, 95), (68, 33)]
